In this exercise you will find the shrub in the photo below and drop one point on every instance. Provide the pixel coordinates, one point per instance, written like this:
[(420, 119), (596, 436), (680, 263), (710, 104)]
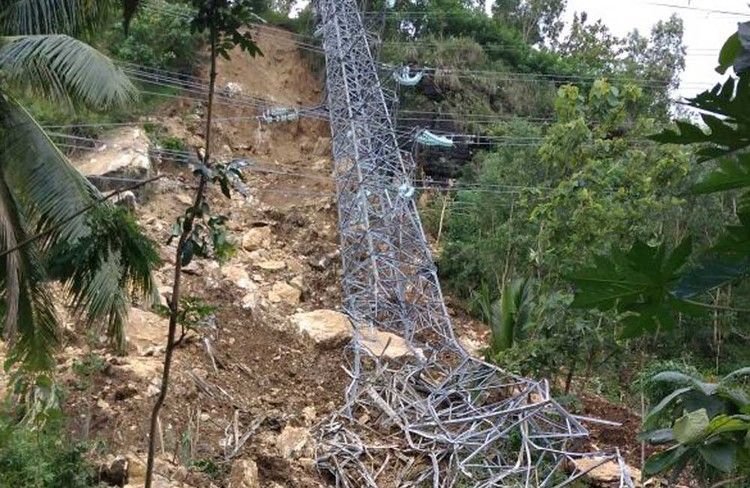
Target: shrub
[(42, 459)]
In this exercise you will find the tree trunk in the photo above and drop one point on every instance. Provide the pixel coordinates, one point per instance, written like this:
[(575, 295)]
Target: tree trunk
[(174, 306)]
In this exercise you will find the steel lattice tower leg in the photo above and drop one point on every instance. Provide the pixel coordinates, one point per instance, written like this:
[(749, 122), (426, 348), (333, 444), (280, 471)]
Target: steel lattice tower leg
[(442, 416)]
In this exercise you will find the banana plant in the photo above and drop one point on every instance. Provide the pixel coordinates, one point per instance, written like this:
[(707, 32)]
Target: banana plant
[(507, 315)]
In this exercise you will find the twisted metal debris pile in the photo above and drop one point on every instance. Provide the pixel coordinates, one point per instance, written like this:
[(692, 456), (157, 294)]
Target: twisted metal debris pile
[(441, 418)]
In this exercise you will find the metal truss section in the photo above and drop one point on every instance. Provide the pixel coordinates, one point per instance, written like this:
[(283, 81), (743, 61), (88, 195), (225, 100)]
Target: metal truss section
[(441, 418)]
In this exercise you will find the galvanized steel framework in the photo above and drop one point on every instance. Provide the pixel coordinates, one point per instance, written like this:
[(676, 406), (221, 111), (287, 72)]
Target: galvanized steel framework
[(442, 417)]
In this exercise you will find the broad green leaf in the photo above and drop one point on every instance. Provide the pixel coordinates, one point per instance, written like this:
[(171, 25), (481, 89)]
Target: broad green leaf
[(731, 174), (667, 401), (715, 269), (732, 48), (736, 374), (663, 461), (728, 423), (677, 378), (691, 427), (720, 455), (724, 110), (637, 283), (659, 436)]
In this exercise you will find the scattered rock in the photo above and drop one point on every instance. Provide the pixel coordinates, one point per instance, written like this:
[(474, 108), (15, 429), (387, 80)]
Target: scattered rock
[(146, 330), (283, 292), (115, 472), (309, 414), (604, 473), (185, 199), (295, 442), (386, 345), (239, 276), (232, 89), (324, 327), (272, 265), (153, 387), (244, 474), (257, 238), (251, 300), (473, 345), (331, 328)]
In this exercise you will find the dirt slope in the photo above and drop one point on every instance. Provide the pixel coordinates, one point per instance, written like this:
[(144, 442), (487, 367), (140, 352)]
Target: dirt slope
[(266, 379)]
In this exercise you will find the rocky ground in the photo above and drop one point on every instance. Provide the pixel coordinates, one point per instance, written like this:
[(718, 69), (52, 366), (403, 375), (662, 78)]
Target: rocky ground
[(259, 370)]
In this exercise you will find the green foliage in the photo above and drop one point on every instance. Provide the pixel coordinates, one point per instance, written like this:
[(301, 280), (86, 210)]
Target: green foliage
[(98, 268), (87, 368), (210, 468), (639, 283), (192, 313), (708, 424), (160, 38), (226, 20), (64, 68), (507, 315), (42, 458)]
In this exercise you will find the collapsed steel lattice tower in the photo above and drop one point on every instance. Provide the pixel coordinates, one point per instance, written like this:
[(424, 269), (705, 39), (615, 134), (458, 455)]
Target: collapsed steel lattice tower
[(442, 417)]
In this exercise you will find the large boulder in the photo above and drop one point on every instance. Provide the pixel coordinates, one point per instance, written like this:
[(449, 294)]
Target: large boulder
[(146, 330), (122, 153), (324, 327), (328, 327)]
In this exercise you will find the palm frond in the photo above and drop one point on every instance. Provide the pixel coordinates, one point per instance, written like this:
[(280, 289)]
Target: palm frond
[(41, 179), (101, 268), (26, 17), (65, 69), (30, 322), (100, 256)]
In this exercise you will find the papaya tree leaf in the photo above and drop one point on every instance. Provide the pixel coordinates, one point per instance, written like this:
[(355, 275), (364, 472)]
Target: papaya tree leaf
[(637, 283), (731, 174)]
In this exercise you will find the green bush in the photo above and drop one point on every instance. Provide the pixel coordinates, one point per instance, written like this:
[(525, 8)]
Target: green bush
[(42, 459), (159, 38)]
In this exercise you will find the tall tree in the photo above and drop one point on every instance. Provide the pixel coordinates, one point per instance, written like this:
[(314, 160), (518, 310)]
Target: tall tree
[(538, 21), (225, 22)]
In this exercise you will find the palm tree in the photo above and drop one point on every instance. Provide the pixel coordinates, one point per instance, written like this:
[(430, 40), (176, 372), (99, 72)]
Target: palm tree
[(99, 256)]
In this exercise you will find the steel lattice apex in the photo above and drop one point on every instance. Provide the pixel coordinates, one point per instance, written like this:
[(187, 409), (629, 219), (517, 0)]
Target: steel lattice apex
[(441, 418)]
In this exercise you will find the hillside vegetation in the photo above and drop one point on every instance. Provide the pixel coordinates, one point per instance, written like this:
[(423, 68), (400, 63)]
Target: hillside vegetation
[(587, 229)]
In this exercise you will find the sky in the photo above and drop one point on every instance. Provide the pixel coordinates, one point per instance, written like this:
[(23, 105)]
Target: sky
[(705, 32)]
